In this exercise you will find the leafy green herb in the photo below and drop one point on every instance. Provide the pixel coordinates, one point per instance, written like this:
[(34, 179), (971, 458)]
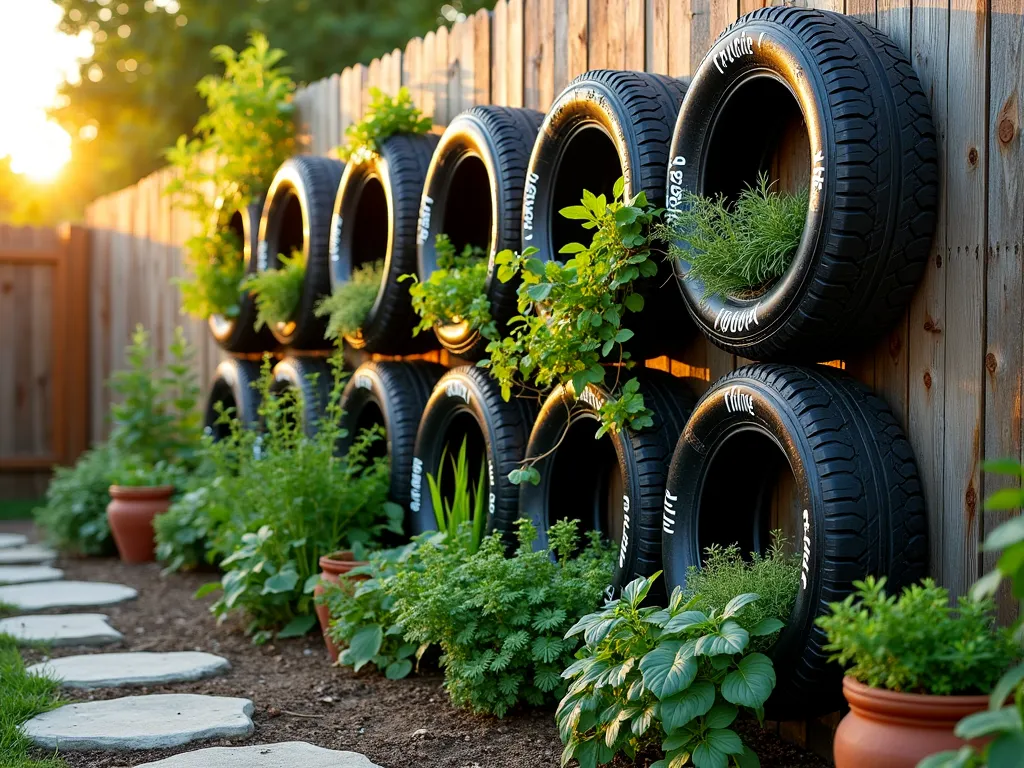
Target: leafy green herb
[(917, 643), (466, 508), (737, 250), (385, 117), (350, 304), (277, 291), (245, 135), (455, 292), (500, 621), (675, 676)]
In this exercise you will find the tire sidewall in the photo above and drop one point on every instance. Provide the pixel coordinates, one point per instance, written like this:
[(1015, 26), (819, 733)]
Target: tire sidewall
[(238, 334), (366, 387)]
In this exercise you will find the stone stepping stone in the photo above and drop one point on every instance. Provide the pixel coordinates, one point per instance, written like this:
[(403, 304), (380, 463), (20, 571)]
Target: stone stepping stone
[(66, 594), (12, 540), (26, 574), (285, 755), (159, 721), (30, 553), (61, 631), (115, 670)]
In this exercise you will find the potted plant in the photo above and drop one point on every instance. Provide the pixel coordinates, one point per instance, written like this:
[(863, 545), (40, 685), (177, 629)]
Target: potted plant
[(138, 495), (915, 666), (332, 568)]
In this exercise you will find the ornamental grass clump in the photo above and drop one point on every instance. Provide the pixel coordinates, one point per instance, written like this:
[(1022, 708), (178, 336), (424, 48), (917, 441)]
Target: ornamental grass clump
[(737, 250), (917, 642), (500, 621), (277, 291), (455, 292), (464, 510), (347, 308), (22, 697)]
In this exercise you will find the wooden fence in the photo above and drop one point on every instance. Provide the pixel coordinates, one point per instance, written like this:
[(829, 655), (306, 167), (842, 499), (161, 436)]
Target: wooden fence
[(951, 369), (44, 348)]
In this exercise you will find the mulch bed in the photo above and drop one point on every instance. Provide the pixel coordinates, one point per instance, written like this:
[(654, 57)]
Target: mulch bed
[(299, 695)]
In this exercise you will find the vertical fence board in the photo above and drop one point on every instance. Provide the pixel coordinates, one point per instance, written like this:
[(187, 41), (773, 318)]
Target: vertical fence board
[(482, 57), (499, 53), (578, 20), (636, 35), (597, 24), (516, 54), (657, 36)]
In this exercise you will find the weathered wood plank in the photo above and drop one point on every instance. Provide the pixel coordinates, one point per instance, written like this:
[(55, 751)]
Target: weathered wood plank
[(482, 57), (578, 20), (516, 55), (499, 53), (597, 24), (656, 24), (636, 35)]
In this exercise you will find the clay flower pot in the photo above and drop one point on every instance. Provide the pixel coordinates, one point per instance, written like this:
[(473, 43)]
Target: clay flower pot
[(885, 729), (331, 568), (130, 514)]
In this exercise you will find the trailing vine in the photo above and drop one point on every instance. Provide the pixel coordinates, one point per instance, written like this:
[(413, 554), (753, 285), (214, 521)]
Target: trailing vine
[(455, 292), (238, 144), (571, 324)]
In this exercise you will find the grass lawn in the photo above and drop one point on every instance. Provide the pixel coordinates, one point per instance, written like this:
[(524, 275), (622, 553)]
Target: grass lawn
[(18, 509), (21, 697)]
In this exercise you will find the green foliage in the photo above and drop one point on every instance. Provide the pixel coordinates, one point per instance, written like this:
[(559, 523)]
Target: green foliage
[(349, 305), (385, 117), (280, 501), (22, 696), (917, 643), (577, 326), (675, 676), (1003, 721), (499, 621), (277, 291), (465, 511), (363, 621), (725, 573), (184, 530), (237, 145), (455, 291), (75, 516), (738, 250)]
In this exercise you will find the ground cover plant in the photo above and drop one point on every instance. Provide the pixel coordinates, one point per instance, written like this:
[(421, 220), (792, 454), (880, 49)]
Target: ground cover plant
[(675, 677), (277, 291), (579, 325), (238, 144), (499, 621), (739, 249), (348, 306), (455, 292), (74, 517), (22, 696), (385, 117)]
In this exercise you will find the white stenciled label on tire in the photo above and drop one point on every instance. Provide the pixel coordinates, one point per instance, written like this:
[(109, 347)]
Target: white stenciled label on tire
[(364, 382), (675, 186), (739, 46), (805, 565), (668, 516), (335, 247), (625, 531), (529, 198), (738, 401), (491, 498), (458, 389), (261, 256), (417, 481), (424, 225), (818, 173), (734, 321)]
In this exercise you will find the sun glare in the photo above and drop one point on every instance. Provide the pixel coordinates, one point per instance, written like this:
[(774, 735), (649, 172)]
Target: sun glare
[(35, 58)]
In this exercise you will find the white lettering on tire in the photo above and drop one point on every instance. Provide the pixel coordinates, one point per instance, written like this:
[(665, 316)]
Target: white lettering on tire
[(668, 517), (805, 565)]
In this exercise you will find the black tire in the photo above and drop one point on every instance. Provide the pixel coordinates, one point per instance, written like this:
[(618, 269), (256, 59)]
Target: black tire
[(474, 194), (581, 478), (466, 402), (311, 379), (238, 334), (856, 506), (297, 216), (378, 198), (233, 389), (873, 175), (392, 395), (604, 125)]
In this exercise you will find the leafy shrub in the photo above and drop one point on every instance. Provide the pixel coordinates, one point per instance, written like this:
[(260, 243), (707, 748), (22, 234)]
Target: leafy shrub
[(75, 516), (455, 291), (183, 531), (245, 135), (583, 303), (350, 303), (277, 291), (674, 676), (285, 499), (917, 643), (465, 510), (499, 621), (773, 577), (385, 117), (738, 250)]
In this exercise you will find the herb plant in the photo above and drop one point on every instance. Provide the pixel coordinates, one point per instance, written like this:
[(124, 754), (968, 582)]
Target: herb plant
[(465, 510), (385, 117), (238, 144), (674, 676), (737, 250), (917, 643), (349, 305), (500, 621), (725, 573), (277, 291), (74, 518), (455, 291), (578, 326)]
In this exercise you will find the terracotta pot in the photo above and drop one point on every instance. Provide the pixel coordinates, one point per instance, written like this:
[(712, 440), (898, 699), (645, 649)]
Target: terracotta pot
[(130, 514), (331, 568), (885, 729)]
